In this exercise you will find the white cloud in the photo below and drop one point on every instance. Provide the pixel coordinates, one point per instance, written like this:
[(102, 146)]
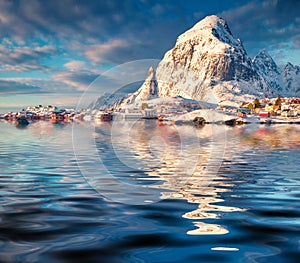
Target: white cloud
[(79, 80), (97, 53), (24, 58), (35, 86), (17, 86), (77, 75), (74, 65)]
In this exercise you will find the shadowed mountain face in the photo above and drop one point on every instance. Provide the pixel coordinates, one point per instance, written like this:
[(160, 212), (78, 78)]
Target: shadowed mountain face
[(291, 79), (269, 71)]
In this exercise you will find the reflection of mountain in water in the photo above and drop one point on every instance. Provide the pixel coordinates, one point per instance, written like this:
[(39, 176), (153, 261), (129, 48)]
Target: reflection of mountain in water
[(180, 159), (182, 162)]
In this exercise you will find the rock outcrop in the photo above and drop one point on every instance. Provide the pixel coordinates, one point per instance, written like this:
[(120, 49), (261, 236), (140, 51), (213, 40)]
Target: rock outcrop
[(147, 91)]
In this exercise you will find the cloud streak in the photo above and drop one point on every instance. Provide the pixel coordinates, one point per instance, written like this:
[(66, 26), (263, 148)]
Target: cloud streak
[(24, 58), (79, 80), (265, 24), (103, 52), (77, 75), (16, 87)]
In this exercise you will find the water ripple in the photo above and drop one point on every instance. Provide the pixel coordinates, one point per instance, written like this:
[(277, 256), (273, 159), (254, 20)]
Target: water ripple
[(243, 209)]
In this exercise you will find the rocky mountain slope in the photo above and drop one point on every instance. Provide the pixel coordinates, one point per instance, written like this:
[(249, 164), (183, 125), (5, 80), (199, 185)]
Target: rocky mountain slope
[(291, 80), (207, 63), (147, 91), (269, 72)]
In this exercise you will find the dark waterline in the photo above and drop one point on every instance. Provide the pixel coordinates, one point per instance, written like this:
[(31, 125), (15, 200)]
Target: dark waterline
[(143, 192)]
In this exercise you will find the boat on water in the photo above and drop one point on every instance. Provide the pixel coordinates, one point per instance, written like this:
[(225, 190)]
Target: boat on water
[(230, 122), (132, 114), (149, 114), (21, 121), (10, 116), (57, 116), (104, 116)]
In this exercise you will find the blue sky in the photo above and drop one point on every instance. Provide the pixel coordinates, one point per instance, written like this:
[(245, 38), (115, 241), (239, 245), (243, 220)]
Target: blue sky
[(50, 51)]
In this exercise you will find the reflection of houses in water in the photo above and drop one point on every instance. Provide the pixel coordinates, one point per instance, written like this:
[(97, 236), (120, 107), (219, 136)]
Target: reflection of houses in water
[(186, 161), (270, 136)]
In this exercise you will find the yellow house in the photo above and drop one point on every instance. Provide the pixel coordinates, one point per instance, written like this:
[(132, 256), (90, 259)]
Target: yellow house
[(269, 108)]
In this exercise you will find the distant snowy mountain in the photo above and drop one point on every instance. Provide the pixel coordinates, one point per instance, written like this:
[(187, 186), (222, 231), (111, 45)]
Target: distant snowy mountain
[(107, 100), (269, 72), (208, 64), (291, 80), (112, 100), (147, 91)]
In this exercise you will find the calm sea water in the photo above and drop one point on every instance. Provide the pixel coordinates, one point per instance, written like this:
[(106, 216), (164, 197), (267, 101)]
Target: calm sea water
[(146, 192)]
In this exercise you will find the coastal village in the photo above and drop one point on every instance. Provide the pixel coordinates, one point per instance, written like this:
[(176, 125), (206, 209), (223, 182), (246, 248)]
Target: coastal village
[(172, 110)]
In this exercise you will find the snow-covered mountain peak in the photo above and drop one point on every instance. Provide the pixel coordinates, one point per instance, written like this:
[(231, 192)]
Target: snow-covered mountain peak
[(205, 62), (269, 73), (291, 79), (263, 55), (210, 26), (264, 61), (208, 64), (212, 21), (289, 66), (151, 73)]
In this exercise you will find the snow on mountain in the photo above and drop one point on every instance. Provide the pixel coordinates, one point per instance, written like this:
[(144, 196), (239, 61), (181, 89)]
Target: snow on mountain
[(111, 100), (284, 82), (270, 73), (291, 80), (147, 91), (208, 64), (107, 100)]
